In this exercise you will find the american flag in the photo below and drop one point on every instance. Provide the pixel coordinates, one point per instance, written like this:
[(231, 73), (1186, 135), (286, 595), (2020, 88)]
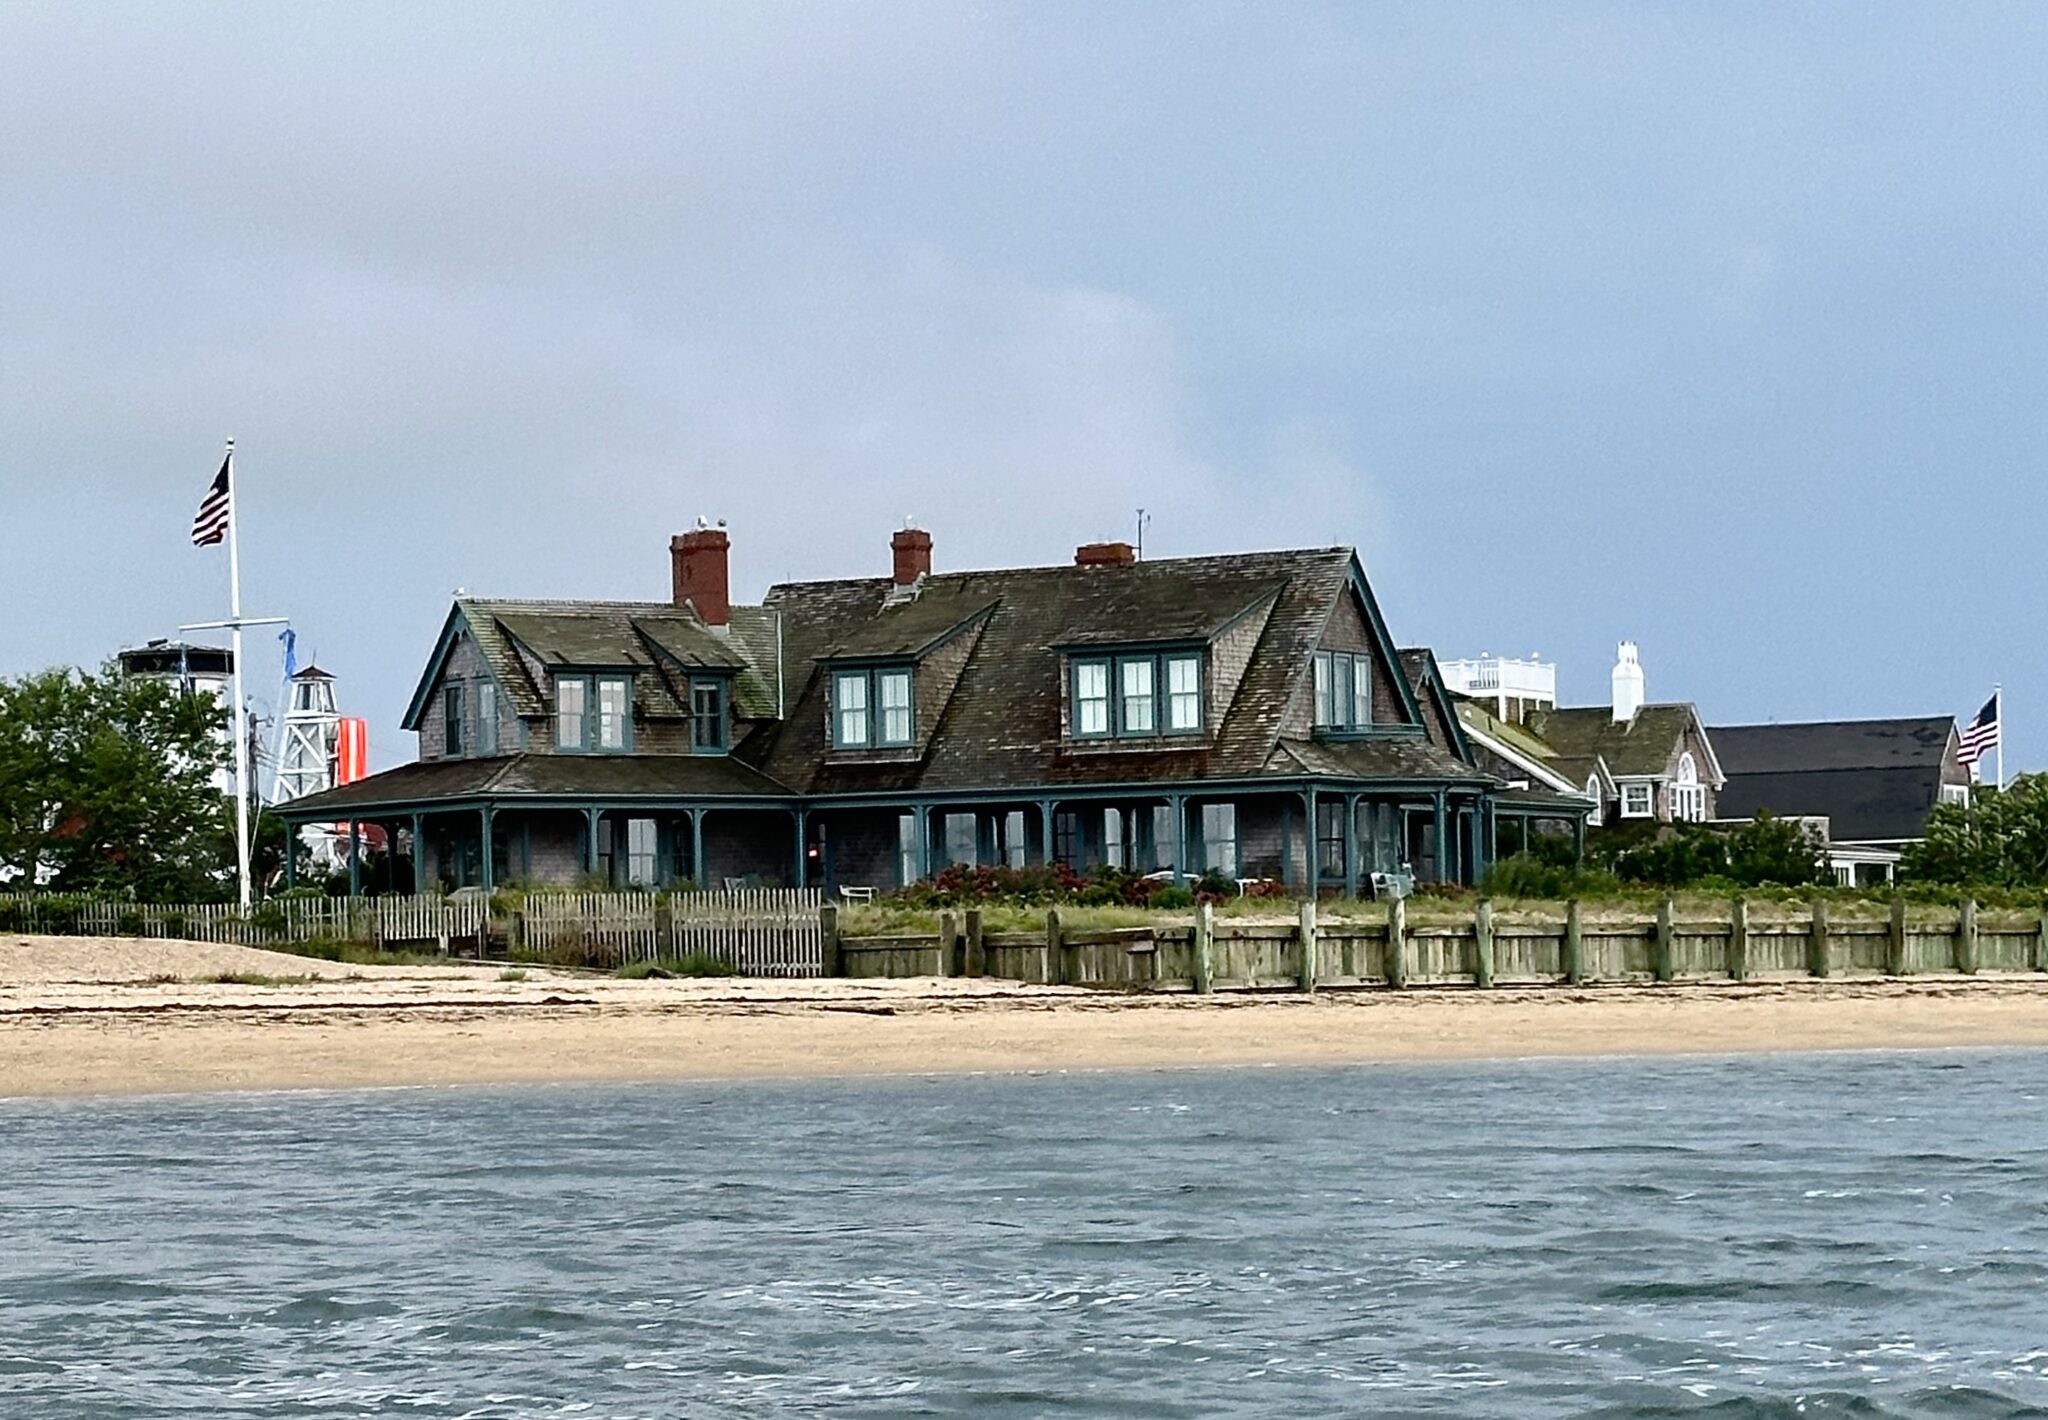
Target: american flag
[(210, 524), (1982, 735)]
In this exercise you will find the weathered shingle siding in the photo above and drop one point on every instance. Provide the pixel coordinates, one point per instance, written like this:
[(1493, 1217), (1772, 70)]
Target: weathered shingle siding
[(465, 666), (1228, 659)]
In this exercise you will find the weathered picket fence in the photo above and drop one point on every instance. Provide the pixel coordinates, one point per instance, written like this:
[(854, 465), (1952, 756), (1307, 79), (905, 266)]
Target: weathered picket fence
[(755, 931), (448, 924)]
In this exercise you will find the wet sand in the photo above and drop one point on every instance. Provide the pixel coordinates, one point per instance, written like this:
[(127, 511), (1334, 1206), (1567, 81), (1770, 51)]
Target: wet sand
[(79, 1016)]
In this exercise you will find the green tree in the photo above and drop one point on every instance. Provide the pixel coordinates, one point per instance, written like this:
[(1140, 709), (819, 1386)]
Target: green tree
[(106, 785), (1999, 839)]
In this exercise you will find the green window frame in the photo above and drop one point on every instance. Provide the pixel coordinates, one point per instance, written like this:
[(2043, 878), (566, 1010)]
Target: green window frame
[(710, 727), (1343, 690), (874, 707), (487, 717), (1136, 695), (593, 714), (453, 721)]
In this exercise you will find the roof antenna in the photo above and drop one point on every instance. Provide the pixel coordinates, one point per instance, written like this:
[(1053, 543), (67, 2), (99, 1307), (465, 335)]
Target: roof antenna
[(1143, 518)]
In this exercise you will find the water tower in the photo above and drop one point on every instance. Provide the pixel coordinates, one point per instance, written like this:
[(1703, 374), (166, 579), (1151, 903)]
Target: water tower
[(318, 749)]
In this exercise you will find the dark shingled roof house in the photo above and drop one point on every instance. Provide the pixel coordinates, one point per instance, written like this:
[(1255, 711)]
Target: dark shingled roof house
[(1245, 714), (1874, 781)]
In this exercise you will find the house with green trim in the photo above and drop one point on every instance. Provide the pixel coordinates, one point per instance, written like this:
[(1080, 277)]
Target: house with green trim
[(1246, 714)]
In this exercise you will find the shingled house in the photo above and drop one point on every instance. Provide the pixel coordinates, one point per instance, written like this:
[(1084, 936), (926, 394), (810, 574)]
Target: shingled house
[(1874, 782), (1244, 714), (1633, 759)]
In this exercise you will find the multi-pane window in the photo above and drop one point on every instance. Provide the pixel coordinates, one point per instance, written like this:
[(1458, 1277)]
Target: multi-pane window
[(1138, 696), (614, 712), (961, 839), (452, 721), (1219, 839), (1165, 836), (872, 707), (907, 849), (1637, 801), (1330, 839), (707, 716), (1066, 837), (1113, 853), (850, 708), (487, 717), (1343, 690), (1013, 845), (1091, 698), (894, 688), (1140, 701), (1183, 694), (572, 712)]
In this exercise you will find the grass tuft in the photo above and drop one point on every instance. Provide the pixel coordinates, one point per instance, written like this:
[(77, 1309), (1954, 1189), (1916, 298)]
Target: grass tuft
[(695, 964)]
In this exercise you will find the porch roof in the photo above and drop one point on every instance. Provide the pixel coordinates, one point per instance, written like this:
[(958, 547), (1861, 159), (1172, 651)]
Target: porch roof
[(542, 776)]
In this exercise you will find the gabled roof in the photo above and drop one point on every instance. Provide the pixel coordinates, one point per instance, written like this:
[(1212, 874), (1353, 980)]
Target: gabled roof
[(1520, 748), (1874, 780), (1834, 744), (1418, 664), (1001, 725), (1642, 747), (913, 625)]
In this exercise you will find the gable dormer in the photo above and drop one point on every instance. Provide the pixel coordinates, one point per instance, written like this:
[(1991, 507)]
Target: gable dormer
[(887, 683), (1356, 685)]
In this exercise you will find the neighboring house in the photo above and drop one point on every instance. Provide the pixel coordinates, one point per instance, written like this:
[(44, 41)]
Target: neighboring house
[(1636, 761), (1873, 783), (1246, 714)]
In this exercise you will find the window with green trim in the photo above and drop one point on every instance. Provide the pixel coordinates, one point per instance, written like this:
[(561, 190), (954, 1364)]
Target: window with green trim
[(486, 717), (572, 711), (872, 708), (707, 716), (1343, 690), (452, 721), (594, 713), (614, 712), (1136, 695)]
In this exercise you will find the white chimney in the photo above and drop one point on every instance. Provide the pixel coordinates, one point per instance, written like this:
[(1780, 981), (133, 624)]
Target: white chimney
[(1628, 683)]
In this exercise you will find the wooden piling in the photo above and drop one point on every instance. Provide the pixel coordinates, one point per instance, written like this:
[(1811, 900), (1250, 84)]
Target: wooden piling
[(2040, 961), (1205, 948), (1055, 955), (1817, 941), (1482, 941), (1966, 939), (1574, 945), (977, 954), (1660, 961), (1397, 941), (1895, 940), (1311, 944), (949, 944), (1738, 940), (828, 926)]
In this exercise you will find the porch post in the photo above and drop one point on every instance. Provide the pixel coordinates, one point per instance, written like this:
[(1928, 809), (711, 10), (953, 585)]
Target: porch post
[(697, 873), (1313, 835), (924, 842), (591, 817), (1578, 839), (1287, 841), (1492, 833), (1351, 846), (803, 845), (1179, 805), (1046, 808), (490, 873), (419, 854), (355, 858), (1440, 849)]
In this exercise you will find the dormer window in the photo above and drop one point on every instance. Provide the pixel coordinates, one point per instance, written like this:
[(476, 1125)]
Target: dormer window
[(872, 709), (593, 713), (487, 717), (1343, 691), (707, 716), (1137, 695)]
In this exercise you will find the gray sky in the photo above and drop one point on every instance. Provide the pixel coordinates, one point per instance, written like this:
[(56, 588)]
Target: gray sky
[(1717, 327)]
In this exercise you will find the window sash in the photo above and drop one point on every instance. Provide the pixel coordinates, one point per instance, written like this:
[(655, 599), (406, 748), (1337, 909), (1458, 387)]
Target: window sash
[(893, 689), (850, 708), (451, 720), (707, 715), (1140, 696), (1219, 839), (1183, 693), (1361, 691), (643, 841), (907, 851), (614, 712), (1322, 678), (572, 698), (1638, 801), (487, 718), (1091, 698)]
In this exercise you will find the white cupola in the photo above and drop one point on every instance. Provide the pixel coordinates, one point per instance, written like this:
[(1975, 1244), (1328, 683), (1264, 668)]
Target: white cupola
[(1628, 683)]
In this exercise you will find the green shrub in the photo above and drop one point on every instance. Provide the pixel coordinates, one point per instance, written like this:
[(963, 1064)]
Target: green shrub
[(1526, 875), (129, 924), (694, 964)]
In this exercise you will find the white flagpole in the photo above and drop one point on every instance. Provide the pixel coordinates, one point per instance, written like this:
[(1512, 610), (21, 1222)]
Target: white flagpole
[(241, 707)]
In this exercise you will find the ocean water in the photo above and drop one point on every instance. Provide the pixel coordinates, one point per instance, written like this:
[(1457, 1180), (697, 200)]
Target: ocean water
[(1849, 1235)]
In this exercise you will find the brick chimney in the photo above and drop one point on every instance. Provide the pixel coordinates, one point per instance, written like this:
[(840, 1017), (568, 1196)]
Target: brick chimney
[(699, 558), (913, 549), (1105, 554)]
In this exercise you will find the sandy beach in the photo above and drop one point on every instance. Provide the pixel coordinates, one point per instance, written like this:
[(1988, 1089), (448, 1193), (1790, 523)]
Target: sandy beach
[(86, 1016)]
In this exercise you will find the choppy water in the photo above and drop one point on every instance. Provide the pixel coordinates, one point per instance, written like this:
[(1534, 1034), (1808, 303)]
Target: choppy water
[(1809, 1236)]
